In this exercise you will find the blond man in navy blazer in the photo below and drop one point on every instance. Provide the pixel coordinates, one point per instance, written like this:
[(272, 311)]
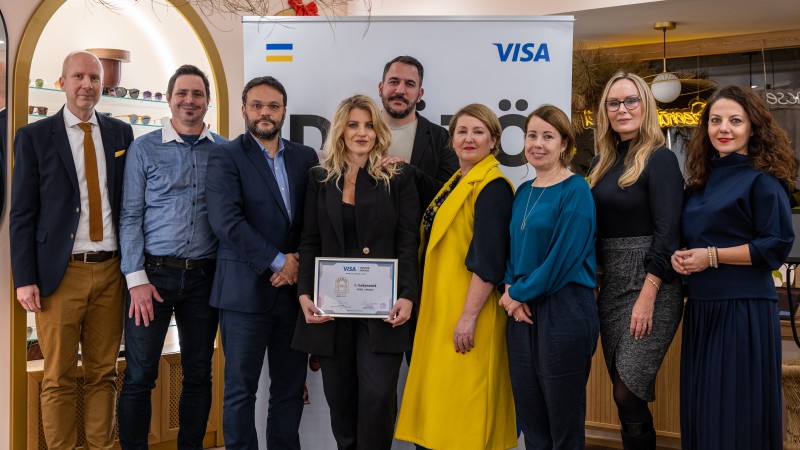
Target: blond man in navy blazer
[(68, 276)]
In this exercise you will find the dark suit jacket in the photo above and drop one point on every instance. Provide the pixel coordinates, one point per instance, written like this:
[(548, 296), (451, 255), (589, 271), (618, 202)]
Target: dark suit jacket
[(434, 160), (45, 198), (387, 226), (247, 213)]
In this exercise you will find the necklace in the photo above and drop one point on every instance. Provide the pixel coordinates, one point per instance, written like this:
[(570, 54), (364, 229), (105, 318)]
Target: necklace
[(525, 216)]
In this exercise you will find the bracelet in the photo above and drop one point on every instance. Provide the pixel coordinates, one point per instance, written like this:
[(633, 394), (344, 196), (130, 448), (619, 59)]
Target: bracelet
[(658, 288), (713, 257)]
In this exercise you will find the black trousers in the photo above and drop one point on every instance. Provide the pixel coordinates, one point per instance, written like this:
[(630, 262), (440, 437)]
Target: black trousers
[(549, 363), (361, 389)]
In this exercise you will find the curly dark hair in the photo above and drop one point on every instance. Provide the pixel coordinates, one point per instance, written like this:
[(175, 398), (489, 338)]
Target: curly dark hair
[(768, 148)]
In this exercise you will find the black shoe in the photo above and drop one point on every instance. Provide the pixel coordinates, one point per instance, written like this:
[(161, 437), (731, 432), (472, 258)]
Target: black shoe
[(638, 436)]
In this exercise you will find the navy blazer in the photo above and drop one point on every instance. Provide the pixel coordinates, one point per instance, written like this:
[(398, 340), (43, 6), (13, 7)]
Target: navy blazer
[(45, 197), (387, 223), (247, 213)]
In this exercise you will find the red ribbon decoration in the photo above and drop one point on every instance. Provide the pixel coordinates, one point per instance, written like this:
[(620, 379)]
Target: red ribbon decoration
[(304, 10)]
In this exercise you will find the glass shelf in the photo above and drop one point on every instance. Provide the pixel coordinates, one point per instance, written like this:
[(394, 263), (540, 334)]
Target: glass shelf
[(114, 97), (40, 116)]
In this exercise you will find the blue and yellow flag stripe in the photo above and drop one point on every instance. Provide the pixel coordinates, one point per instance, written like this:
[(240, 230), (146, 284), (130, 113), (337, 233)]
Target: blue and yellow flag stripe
[(280, 48)]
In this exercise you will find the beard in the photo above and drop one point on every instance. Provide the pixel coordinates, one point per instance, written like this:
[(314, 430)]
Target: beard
[(395, 113), (268, 135)]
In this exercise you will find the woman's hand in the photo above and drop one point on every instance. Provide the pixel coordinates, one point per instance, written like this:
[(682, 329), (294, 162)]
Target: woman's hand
[(521, 312), (464, 335), (642, 316), (690, 261), (310, 311), (400, 313)]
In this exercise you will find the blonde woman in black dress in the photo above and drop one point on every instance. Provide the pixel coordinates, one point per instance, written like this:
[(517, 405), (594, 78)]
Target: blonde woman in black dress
[(638, 190)]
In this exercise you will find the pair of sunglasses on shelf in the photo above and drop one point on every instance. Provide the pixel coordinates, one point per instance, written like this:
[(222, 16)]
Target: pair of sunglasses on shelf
[(120, 92), (137, 119)]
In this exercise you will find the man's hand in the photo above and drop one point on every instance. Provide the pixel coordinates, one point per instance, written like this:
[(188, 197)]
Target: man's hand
[(28, 297), (290, 267), (288, 274), (389, 160), (142, 303)]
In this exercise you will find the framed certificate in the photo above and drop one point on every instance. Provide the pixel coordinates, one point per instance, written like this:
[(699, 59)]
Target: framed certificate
[(355, 287)]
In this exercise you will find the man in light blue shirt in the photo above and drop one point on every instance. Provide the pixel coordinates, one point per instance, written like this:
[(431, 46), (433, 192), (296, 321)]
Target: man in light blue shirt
[(168, 258)]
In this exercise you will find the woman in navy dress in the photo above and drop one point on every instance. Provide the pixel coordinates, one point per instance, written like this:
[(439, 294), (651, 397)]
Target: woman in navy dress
[(552, 327), (737, 227)]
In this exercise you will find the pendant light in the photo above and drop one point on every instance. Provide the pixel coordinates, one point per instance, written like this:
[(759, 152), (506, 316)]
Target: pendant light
[(666, 86)]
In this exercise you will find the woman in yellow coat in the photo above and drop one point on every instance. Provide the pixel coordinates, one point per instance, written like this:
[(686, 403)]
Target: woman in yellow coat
[(458, 392)]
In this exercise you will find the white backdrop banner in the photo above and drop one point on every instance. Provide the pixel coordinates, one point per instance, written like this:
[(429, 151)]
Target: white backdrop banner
[(510, 64)]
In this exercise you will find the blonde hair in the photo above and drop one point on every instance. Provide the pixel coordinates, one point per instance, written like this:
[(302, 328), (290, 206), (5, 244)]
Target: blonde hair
[(485, 116), (648, 138), (335, 160)]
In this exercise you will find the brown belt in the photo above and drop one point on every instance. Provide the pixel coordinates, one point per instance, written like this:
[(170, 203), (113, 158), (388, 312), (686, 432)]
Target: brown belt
[(93, 257), (186, 264)]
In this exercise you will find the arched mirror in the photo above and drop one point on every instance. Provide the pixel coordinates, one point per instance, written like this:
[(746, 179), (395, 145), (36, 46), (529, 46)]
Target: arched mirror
[(3, 112), (154, 38)]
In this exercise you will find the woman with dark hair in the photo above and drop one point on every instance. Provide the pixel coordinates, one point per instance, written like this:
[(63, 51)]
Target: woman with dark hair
[(550, 278), (737, 227), (458, 392), (638, 190), (356, 207)]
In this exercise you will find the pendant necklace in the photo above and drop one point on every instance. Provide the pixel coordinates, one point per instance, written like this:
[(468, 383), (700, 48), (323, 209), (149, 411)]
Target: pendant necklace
[(525, 216)]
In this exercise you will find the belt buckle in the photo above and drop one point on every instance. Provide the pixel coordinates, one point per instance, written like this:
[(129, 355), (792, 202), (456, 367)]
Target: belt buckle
[(86, 255), (187, 264)]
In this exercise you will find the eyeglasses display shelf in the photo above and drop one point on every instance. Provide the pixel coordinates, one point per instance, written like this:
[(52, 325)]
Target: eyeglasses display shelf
[(47, 100)]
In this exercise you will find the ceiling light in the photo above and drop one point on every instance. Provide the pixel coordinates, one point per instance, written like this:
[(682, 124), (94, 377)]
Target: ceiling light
[(666, 87)]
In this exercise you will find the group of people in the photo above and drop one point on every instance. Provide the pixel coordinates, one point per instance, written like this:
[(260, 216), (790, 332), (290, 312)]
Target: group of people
[(496, 292)]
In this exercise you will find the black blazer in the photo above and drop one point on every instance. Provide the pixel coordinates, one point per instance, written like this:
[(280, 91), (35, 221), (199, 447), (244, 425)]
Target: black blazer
[(247, 214), (45, 197), (435, 162), (388, 227)]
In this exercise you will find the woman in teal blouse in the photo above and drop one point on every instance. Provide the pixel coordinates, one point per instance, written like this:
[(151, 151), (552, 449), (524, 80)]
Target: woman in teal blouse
[(553, 325)]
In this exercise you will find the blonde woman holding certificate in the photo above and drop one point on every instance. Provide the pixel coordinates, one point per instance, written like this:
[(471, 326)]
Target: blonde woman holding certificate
[(357, 208)]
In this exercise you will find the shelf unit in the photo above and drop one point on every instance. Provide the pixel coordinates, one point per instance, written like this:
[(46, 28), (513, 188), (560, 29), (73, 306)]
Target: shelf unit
[(119, 107)]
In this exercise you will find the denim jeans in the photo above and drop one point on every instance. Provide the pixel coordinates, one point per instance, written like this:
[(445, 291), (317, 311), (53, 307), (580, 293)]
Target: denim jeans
[(186, 294), (247, 338)]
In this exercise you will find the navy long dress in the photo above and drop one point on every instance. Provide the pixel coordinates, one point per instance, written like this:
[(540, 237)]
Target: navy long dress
[(731, 354)]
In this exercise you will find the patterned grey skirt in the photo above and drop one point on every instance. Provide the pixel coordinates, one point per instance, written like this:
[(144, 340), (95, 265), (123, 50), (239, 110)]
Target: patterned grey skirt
[(636, 362)]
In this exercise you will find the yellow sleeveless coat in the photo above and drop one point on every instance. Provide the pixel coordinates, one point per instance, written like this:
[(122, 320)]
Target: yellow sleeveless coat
[(455, 401)]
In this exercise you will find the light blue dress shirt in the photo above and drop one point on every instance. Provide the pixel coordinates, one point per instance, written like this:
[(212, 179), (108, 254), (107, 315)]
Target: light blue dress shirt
[(278, 167), (164, 209)]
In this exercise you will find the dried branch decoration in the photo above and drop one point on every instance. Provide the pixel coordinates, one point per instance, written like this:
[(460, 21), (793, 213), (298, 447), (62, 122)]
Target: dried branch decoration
[(259, 8)]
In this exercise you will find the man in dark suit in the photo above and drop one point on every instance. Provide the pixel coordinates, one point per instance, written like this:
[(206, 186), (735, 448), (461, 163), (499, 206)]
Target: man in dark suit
[(65, 206), (255, 190), (415, 140)]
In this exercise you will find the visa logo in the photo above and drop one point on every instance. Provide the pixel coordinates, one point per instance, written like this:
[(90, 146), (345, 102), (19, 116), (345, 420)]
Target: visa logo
[(348, 268), (519, 52)]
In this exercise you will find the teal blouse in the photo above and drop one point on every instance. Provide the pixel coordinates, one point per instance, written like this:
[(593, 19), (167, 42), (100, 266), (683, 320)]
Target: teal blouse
[(557, 244)]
